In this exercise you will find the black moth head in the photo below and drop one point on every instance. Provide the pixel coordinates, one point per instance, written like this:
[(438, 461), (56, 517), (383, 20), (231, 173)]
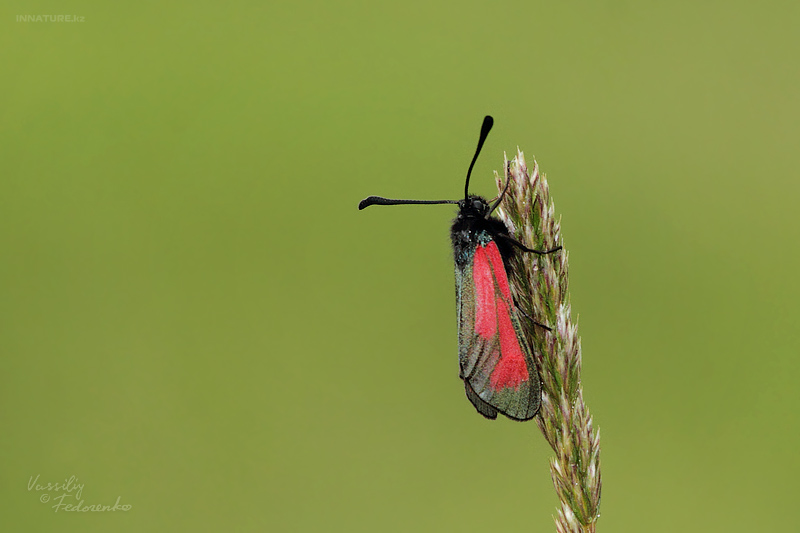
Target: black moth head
[(473, 207)]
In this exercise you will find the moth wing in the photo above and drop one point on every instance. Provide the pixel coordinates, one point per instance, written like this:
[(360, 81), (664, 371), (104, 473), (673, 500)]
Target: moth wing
[(496, 363)]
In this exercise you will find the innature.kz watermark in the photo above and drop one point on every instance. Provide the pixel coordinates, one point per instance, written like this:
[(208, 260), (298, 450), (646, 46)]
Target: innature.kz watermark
[(68, 496), (51, 18)]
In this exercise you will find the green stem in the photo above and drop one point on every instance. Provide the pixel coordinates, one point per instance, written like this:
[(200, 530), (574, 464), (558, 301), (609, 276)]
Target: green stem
[(540, 288)]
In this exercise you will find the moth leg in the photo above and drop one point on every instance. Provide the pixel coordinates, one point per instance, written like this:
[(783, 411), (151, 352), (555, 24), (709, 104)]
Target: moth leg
[(499, 199), (529, 317), (524, 248)]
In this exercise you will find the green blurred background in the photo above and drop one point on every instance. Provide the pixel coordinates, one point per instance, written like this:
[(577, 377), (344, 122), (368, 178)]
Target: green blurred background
[(196, 318)]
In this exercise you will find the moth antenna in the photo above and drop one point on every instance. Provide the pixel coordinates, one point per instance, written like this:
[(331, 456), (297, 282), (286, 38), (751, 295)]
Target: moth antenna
[(488, 122), (380, 200)]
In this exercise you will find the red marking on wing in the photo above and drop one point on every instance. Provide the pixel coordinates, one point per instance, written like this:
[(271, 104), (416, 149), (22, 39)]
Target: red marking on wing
[(499, 269), (485, 311), (511, 370), (493, 317)]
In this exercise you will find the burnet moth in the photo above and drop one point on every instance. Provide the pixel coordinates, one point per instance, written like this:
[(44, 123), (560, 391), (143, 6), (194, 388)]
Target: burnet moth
[(496, 362)]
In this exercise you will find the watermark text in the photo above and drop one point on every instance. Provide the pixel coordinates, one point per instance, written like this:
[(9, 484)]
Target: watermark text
[(51, 18), (68, 496)]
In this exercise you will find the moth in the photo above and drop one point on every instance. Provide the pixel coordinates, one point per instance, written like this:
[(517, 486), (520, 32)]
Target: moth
[(495, 361)]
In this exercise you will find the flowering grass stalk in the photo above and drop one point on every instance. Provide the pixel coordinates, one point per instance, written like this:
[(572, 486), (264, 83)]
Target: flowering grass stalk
[(540, 288)]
